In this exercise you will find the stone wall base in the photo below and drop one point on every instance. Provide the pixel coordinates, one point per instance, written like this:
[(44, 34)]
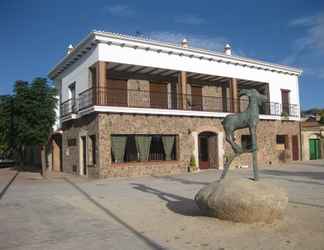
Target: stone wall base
[(187, 130)]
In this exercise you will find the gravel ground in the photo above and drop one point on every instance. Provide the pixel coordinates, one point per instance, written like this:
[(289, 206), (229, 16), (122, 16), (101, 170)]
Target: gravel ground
[(69, 212)]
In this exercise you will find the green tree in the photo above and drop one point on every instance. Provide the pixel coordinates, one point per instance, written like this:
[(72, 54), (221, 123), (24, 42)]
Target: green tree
[(5, 125), (34, 113)]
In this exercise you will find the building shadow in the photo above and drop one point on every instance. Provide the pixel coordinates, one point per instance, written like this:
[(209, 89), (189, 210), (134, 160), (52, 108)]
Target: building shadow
[(29, 168), (150, 243), (307, 174), (175, 203), (4, 190)]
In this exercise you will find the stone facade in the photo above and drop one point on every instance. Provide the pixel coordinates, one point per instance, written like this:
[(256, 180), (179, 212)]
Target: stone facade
[(187, 129), (72, 132)]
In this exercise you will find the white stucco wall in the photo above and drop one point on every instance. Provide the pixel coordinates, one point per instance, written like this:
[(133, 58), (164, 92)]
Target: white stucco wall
[(78, 73)]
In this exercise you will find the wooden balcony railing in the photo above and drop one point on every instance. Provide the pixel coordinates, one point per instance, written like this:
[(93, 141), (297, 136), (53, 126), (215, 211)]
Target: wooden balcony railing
[(167, 100)]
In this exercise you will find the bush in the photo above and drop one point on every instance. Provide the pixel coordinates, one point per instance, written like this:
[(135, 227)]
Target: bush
[(193, 164)]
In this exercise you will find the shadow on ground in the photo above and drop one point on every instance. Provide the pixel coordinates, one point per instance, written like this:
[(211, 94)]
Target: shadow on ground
[(152, 244), (175, 203), (32, 169)]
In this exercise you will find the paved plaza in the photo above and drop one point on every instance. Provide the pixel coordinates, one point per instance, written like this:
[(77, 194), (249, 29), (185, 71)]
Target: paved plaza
[(69, 212)]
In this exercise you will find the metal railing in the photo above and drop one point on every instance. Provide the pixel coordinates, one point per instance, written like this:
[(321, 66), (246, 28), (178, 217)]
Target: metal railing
[(69, 107), (168, 100)]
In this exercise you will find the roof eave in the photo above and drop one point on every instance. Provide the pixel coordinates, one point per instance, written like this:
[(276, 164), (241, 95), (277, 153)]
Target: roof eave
[(95, 36)]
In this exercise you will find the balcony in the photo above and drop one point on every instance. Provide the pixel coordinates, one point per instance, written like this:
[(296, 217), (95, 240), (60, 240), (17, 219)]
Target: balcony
[(167, 100)]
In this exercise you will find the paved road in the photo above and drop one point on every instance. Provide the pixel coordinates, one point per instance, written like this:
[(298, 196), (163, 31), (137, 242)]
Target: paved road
[(152, 212)]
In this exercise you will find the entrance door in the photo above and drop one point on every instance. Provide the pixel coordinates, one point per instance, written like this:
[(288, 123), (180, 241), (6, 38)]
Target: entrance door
[(83, 156), (285, 100), (314, 149), (203, 152), (295, 148), (208, 153)]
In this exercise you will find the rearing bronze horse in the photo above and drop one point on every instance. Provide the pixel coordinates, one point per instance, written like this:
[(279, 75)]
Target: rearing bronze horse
[(247, 119)]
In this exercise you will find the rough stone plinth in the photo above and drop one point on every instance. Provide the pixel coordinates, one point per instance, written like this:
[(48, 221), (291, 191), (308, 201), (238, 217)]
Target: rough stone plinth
[(242, 200)]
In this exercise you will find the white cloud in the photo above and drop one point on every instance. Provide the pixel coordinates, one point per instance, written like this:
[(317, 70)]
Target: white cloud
[(196, 41), (308, 49), (120, 10), (190, 19), (314, 35)]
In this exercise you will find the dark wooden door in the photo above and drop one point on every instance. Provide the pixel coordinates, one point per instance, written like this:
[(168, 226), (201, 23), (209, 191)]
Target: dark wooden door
[(212, 151), (159, 95), (116, 93), (203, 152), (196, 98), (84, 155), (285, 100), (295, 148)]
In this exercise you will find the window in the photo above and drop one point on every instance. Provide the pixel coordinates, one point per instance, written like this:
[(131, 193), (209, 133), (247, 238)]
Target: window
[(130, 148), (246, 142), (71, 142), (282, 142), (156, 149), (72, 96)]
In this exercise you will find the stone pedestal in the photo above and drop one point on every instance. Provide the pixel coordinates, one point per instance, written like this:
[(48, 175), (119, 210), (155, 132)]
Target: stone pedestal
[(242, 200)]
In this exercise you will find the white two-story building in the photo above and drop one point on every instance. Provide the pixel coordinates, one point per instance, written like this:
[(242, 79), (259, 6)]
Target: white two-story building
[(134, 106)]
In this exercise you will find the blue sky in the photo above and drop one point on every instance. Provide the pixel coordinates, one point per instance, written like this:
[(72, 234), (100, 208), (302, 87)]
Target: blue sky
[(35, 34)]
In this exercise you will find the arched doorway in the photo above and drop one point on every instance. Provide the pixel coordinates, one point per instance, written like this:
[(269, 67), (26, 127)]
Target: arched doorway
[(207, 150)]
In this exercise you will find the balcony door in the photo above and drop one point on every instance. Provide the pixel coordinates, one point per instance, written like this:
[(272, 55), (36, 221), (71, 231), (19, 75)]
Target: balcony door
[(285, 100), (116, 93), (196, 98), (159, 95)]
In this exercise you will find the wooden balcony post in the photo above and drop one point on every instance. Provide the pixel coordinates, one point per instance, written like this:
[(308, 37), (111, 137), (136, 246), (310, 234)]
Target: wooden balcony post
[(233, 95), (182, 86), (101, 83), (183, 80)]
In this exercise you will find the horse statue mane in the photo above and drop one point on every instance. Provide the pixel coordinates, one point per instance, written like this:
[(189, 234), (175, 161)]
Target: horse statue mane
[(247, 119)]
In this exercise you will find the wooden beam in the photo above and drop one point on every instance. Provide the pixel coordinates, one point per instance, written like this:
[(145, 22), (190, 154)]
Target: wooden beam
[(141, 76), (101, 80), (233, 95), (138, 70), (183, 89)]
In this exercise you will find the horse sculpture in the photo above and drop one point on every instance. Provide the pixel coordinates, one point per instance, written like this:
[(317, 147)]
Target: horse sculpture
[(247, 119)]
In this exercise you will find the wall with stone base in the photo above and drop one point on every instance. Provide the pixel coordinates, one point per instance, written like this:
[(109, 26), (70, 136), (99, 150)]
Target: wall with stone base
[(104, 125), (73, 130)]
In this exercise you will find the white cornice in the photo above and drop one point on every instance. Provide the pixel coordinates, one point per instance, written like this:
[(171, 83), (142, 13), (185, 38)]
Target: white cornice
[(161, 47)]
